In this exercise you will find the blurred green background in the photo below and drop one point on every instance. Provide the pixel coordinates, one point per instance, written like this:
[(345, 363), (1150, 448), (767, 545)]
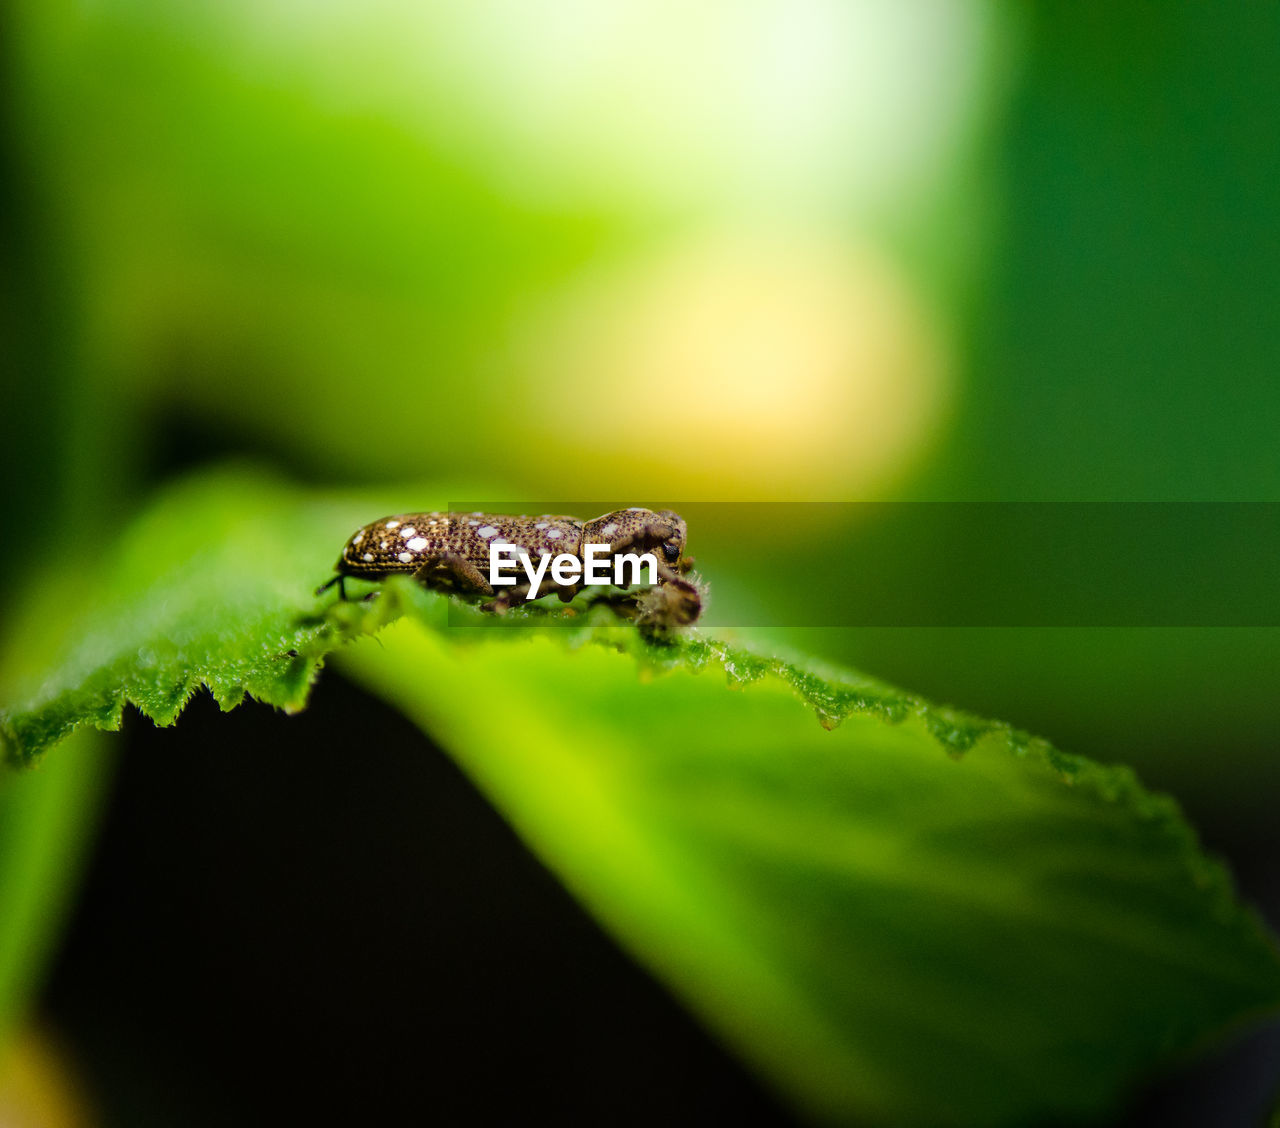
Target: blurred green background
[(814, 251)]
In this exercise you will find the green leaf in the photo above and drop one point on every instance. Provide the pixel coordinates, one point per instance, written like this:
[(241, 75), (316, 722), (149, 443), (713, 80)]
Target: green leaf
[(212, 586), (891, 932), (903, 915)]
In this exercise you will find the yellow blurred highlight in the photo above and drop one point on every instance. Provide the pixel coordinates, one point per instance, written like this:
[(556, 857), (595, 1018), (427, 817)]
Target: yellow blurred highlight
[(738, 367), (37, 1086), (791, 103)]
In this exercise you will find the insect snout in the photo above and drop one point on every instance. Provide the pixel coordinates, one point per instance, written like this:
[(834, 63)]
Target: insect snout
[(674, 533)]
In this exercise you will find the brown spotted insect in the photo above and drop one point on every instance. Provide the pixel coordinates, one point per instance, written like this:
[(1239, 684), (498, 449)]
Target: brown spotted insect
[(457, 553)]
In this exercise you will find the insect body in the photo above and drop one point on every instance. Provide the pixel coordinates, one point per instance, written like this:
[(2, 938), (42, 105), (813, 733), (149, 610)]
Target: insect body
[(453, 552)]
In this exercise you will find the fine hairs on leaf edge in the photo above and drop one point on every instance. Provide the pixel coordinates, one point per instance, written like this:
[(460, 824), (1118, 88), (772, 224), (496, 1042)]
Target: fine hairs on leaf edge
[(285, 681)]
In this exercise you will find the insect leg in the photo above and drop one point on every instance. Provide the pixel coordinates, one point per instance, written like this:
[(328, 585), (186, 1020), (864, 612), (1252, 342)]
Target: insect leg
[(675, 602), (658, 611), (453, 572), (340, 580)]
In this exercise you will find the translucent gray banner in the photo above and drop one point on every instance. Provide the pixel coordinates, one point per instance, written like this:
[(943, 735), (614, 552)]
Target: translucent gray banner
[(980, 564)]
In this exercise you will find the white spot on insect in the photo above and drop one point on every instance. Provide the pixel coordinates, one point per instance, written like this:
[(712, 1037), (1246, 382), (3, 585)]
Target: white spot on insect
[(417, 544), (486, 531), (473, 522), (637, 509), (392, 525), (408, 531), (433, 521), (476, 513), (367, 556), (382, 543), (405, 557), (542, 525), (552, 534), (609, 529), (358, 538)]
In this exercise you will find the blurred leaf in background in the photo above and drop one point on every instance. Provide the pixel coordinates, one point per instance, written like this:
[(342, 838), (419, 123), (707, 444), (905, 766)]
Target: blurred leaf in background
[(1125, 349), (642, 245)]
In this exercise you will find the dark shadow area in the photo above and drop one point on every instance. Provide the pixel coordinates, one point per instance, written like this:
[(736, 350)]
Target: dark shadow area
[(316, 919)]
